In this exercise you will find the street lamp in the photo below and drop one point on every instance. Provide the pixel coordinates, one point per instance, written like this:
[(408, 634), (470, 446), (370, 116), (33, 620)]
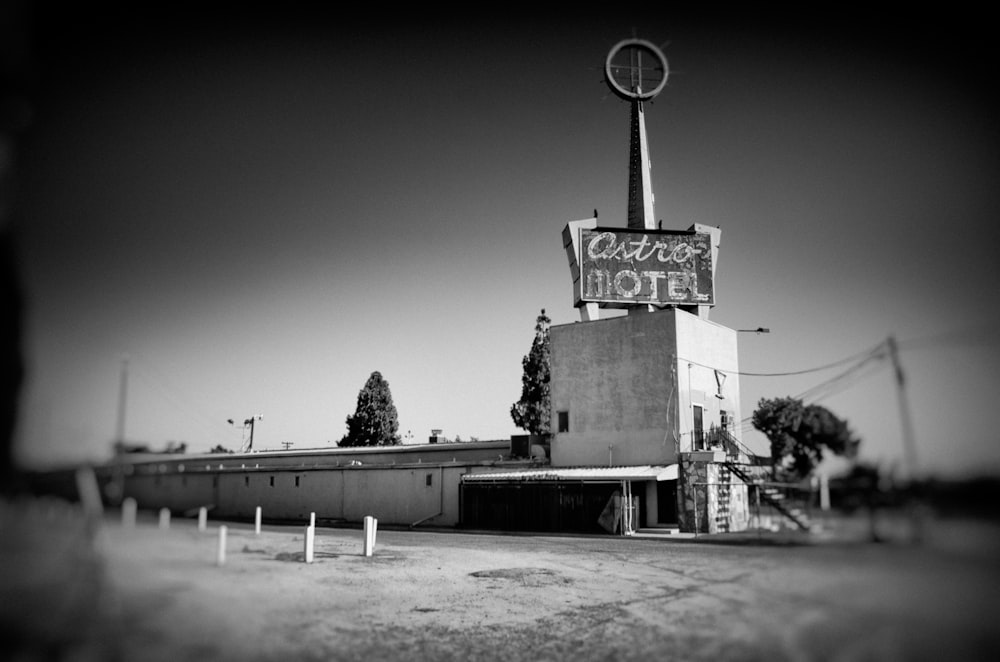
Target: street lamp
[(248, 423), (759, 330)]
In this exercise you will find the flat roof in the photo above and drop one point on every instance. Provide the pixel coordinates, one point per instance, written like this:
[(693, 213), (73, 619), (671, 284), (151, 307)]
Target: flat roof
[(335, 451), (586, 474)]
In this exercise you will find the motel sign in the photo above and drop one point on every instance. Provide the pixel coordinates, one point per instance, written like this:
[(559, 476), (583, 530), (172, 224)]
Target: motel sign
[(621, 268)]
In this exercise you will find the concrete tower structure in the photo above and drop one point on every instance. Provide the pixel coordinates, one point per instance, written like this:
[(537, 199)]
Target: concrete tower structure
[(659, 385)]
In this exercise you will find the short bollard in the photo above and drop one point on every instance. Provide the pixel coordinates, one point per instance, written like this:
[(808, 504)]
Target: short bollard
[(310, 540), (202, 518), (164, 518), (128, 512), (371, 524), (90, 493), (824, 492), (256, 524), (220, 558)]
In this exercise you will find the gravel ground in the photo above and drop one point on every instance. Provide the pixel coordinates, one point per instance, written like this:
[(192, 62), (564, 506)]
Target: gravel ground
[(147, 593)]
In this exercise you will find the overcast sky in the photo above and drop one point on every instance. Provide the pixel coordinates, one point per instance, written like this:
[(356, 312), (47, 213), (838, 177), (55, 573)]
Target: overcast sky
[(261, 209)]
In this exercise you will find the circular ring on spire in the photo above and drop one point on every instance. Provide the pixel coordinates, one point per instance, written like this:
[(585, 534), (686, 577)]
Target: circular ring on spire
[(636, 70)]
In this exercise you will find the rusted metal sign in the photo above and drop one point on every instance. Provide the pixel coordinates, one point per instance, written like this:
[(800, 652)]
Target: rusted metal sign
[(621, 268)]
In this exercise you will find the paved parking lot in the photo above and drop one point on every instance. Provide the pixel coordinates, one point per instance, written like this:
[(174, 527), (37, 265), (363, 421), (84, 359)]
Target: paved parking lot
[(153, 594)]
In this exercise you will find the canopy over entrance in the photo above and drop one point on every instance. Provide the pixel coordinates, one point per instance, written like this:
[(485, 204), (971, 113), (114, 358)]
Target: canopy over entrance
[(582, 474)]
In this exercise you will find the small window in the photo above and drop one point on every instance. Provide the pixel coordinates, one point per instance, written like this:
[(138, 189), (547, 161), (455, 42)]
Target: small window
[(296, 481), (563, 423), (215, 481), (246, 481), (271, 481), (429, 479)]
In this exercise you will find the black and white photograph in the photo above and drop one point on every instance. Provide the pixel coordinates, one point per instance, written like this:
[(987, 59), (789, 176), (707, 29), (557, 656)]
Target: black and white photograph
[(498, 333)]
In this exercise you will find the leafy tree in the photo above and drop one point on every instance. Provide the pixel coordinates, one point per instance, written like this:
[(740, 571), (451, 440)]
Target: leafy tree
[(219, 449), (374, 422), (799, 434), (532, 412)]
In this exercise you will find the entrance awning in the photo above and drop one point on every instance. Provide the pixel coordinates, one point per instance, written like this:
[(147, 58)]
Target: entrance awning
[(582, 474)]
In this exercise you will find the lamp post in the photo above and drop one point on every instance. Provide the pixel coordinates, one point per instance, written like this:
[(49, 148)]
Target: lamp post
[(248, 423), (759, 330)]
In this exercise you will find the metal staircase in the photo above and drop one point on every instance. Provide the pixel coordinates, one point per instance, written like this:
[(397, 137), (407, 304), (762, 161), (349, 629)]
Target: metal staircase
[(773, 497)]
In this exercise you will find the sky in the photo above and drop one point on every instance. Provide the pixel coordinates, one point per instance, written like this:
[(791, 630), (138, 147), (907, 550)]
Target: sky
[(256, 209)]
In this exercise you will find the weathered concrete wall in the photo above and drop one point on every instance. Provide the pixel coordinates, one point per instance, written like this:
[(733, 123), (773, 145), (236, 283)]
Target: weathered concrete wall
[(630, 385), (707, 354), (396, 495), (615, 378), (241, 492), (178, 492)]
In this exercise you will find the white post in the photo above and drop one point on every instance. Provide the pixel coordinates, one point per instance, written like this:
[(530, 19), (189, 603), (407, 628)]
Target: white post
[(221, 557), (312, 520), (824, 492), (128, 512), (256, 525), (164, 518), (371, 524), (90, 493), (310, 539), (202, 518)]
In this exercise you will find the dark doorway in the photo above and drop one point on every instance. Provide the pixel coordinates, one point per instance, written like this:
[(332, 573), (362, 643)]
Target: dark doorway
[(666, 502), (699, 427), (527, 506)]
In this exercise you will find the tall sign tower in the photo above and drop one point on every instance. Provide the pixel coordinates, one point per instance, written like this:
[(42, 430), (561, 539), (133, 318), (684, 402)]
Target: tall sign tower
[(642, 268), (637, 71), (648, 388)]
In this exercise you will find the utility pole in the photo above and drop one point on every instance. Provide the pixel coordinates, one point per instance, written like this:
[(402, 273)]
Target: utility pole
[(909, 444), (906, 420), (248, 423)]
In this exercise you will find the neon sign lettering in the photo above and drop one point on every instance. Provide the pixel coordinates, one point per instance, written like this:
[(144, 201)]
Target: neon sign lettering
[(622, 268)]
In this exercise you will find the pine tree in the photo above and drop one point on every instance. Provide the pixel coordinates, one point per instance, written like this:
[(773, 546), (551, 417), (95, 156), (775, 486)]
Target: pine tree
[(532, 412), (374, 422)]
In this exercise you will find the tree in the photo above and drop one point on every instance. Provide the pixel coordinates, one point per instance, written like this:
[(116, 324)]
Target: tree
[(374, 422), (533, 411), (800, 433)]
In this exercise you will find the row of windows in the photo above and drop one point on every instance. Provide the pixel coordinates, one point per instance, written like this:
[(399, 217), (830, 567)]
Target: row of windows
[(270, 481), (429, 480)]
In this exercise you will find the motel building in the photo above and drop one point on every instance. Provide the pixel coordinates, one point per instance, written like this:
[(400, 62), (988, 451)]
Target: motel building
[(645, 399)]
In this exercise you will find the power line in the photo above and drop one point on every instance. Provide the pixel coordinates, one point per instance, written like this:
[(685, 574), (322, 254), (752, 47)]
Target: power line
[(864, 367), (865, 355), (838, 382)]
